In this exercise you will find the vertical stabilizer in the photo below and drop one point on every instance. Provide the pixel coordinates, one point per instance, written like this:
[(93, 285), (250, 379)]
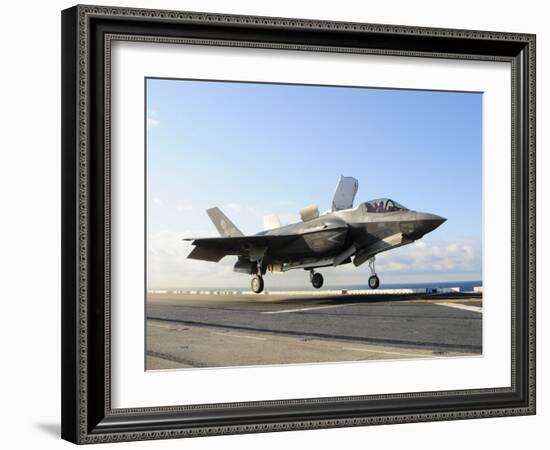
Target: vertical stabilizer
[(271, 221), (225, 227)]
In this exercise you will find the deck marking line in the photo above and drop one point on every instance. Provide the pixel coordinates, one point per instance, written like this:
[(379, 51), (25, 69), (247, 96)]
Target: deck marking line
[(464, 307), (386, 352), (424, 300), (309, 308), (239, 336)]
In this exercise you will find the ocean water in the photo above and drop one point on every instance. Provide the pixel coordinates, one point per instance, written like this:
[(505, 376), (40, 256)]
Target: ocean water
[(465, 286)]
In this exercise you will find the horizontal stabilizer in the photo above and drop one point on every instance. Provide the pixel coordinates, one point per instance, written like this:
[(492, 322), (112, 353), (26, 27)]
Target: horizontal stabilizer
[(206, 254)]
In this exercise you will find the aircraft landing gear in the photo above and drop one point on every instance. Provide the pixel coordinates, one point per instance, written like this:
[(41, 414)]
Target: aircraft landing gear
[(374, 281), (257, 284), (316, 279)]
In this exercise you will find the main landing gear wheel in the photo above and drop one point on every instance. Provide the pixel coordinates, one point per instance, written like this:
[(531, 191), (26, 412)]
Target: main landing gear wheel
[(316, 279), (374, 281), (257, 284)]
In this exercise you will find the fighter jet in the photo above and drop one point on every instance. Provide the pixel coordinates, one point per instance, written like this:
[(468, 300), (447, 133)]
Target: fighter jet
[(343, 235)]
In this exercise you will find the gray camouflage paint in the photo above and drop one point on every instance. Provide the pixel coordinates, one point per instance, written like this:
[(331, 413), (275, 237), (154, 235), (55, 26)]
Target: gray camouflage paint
[(328, 240)]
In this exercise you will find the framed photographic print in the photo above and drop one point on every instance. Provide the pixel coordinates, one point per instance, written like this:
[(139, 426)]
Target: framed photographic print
[(268, 221)]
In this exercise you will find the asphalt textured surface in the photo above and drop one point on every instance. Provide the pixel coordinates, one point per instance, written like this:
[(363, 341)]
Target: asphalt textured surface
[(443, 323)]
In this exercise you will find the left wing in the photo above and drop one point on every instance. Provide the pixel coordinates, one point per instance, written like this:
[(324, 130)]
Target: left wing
[(214, 249)]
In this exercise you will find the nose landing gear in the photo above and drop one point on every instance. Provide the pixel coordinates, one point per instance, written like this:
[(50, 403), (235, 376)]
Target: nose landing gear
[(374, 281), (316, 279)]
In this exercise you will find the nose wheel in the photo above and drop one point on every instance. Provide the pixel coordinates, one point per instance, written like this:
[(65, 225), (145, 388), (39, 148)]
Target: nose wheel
[(374, 281), (316, 279)]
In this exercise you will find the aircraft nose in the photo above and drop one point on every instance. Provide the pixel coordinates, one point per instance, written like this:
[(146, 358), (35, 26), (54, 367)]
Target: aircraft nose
[(429, 222)]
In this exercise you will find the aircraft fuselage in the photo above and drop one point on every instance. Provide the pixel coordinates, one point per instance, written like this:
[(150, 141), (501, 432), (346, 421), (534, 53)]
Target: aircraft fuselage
[(323, 238)]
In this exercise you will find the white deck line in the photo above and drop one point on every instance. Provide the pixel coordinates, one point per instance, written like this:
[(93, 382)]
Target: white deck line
[(244, 336), (477, 309), (415, 355), (284, 311)]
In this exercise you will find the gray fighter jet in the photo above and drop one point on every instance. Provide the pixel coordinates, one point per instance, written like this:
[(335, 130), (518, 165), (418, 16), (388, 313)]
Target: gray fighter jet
[(343, 235)]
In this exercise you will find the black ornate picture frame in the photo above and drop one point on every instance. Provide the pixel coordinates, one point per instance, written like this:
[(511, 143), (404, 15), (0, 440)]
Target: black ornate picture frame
[(87, 34)]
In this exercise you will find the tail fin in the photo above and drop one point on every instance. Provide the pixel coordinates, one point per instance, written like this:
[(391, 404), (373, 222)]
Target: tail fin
[(271, 221), (225, 227)]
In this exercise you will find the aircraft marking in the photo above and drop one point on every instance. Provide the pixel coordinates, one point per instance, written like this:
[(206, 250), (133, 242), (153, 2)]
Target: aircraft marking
[(336, 237)]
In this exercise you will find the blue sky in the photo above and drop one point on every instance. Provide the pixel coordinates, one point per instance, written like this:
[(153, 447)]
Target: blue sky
[(255, 149)]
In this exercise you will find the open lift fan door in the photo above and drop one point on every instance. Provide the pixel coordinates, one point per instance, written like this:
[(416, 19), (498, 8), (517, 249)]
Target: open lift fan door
[(345, 193)]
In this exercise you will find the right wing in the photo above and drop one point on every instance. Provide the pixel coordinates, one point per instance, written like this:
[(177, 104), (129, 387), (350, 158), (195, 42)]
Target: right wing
[(214, 249)]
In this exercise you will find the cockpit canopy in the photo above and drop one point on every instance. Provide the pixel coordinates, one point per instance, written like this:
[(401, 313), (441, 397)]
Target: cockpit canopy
[(383, 205)]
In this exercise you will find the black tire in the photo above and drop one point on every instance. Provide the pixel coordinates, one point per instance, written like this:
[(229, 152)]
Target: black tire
[(374, 282), (317, 280), (257, 284)]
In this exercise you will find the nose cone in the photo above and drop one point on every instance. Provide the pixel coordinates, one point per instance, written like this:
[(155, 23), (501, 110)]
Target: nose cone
[(428, 222)]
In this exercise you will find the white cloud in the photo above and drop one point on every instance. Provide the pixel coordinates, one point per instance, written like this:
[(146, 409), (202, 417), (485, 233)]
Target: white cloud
[(168, 266), (232, 207), (181, 207), (152, 121), (288, 218), (461, 256)]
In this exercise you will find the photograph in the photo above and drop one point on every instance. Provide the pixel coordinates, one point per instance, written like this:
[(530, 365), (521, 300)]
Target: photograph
[(280, 222), (301, 223)]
